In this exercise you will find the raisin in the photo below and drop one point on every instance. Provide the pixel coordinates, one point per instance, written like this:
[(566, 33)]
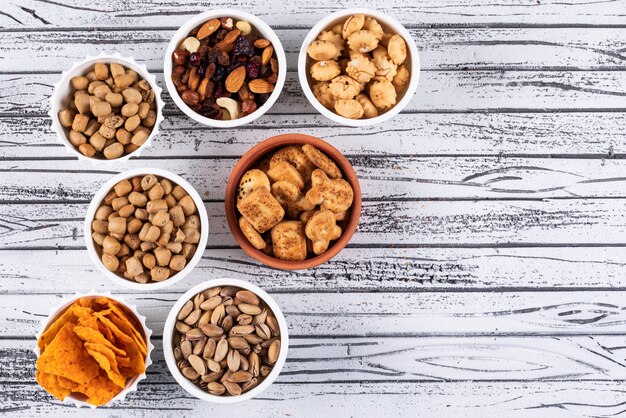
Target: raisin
[(243, 46), (210, 70), (220, 73), (213, 54), (194, 59), (223, 59), (264, 71), (252, 70)]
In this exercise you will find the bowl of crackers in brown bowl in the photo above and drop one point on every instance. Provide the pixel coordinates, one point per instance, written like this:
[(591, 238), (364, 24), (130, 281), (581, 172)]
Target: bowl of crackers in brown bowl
[(293, 202)]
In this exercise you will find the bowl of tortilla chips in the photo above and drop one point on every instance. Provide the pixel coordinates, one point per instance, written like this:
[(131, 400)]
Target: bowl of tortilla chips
[(92, 350)]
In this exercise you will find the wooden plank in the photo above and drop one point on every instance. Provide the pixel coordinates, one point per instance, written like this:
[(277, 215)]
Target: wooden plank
[(398, 315), (388, 223), (502, 134), (352, 360), (449, 91), (455, 399), (381, 178), (440, 48), (354, 269), (118, 13)]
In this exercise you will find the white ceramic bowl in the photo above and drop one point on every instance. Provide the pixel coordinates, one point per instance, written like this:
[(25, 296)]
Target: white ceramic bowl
[(131, 385), (389, 24), (262, 28), (168, 334), (63, 89), (99, 197)]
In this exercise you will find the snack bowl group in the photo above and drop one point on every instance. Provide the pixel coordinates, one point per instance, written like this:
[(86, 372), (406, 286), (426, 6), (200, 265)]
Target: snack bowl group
[(170, 329), (129, 309), (260, 151), (96, 202), (388, 23), (263, 29), (63, 89)]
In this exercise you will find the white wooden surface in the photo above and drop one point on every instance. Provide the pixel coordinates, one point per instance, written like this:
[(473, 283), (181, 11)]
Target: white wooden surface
[(487, 277)]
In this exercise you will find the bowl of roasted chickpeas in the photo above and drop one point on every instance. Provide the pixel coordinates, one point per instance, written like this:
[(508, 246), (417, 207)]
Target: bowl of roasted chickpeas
[(146, 228)]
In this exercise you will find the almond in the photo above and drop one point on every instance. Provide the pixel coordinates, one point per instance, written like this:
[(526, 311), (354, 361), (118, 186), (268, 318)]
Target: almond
[(262, 43), (208, 28), (228, 40), (194, 79), (260, 86), (202, 87), (266, 55), (235, 79)]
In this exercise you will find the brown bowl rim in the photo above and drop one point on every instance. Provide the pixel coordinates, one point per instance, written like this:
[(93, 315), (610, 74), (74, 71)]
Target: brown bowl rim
[(253, 155)]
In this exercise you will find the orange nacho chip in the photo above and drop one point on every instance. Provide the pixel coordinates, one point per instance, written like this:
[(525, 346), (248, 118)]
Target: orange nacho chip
[(107, 366), (137, 362), (66, 356), (51, 384), (92, 348), (123, 323), (90, 335)]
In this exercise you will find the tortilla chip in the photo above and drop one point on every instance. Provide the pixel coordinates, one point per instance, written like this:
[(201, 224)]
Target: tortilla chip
[(106, 365), (91, 349), (128, 344), (106, 332), (66, 356), (91, 335), (67, 383), (120, 320), (54, 328), (100, 390), (51, 385)]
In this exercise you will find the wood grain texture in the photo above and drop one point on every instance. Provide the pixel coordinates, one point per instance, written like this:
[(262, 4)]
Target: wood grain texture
[(473, 91), (387, 223), (487, 275), (466, 134), (368, 269), (49, 14), (389, 314), (450, 399), (352, 360), (381, 177), (440, 48)]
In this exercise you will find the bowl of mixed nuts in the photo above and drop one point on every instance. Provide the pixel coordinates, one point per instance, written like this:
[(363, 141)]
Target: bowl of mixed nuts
[(293, 202), (106, 108), (146, 229), (358, 67), (225, 341), (225, 68)]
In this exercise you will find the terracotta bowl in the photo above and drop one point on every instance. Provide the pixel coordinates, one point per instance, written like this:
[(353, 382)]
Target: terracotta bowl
[(250, 159)]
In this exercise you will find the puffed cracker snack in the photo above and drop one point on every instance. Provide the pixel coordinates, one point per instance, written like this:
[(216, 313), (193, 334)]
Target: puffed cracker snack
[(294, 204), (357, 69)]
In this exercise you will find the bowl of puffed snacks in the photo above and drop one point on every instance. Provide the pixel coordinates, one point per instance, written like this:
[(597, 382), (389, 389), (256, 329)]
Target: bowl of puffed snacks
[(293, 202), (358, 67)]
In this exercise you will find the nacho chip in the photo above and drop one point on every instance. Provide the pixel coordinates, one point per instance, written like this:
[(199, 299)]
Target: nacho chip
[(92, 349), (100, 390), (128, 344), (66, 356), (107, 366), (122, 321), (50, 383), (91, 335)]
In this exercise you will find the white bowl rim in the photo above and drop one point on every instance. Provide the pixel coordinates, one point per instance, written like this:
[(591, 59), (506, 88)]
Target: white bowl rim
[(99, 197), (398, 28), (259, 25), (64, 304), (168, 333), (66, 76)]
